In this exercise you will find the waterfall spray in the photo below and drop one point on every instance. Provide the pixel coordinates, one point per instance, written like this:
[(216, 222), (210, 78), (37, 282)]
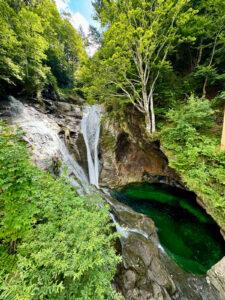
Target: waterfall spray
[(90, 126), (42, 134)]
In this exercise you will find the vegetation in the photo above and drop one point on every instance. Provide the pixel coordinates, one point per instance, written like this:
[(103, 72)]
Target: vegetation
[(136, 47), (166, 58), (39, 51), (54, 244), (192, 142), (154, 54)]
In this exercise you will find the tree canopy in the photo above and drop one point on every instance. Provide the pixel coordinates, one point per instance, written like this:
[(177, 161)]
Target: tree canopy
[(154, 52), (40, 50)]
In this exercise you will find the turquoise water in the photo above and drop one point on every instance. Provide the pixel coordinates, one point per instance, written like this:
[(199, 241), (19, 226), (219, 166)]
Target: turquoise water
[(187, 233)]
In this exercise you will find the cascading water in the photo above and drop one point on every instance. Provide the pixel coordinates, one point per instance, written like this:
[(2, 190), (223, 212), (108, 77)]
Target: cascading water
[(42, 134), (90, 126)]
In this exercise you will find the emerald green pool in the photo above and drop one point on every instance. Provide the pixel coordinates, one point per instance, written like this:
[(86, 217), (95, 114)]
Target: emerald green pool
[(186, 232)]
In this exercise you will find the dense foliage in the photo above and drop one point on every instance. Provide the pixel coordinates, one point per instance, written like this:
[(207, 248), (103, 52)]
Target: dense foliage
[(53, 243), (192, 145), (155, 55), (135, 50), (38, 49)]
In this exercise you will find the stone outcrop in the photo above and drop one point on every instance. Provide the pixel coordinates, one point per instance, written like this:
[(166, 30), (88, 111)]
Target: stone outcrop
[(68, 116), (216, 276), (48, 150), (62, 117), (141, 275), (126, 157)]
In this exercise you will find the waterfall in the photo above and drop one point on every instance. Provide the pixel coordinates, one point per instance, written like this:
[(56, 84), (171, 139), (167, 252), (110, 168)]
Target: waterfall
[(42, 133), (90, 126)]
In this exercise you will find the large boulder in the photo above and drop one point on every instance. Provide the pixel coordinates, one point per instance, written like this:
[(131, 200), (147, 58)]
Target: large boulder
[(141, 275), (216, 276)]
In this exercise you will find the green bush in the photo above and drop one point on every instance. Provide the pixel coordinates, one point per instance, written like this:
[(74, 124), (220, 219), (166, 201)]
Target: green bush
[(54, 244), (193, 150)]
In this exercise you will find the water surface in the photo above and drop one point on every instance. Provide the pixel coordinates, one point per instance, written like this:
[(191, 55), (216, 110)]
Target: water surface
[(187, 233)]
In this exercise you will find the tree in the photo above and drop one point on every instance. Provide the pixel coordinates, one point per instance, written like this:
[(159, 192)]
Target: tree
[(135, 48), (222, 145), (10, 48), (216, 9), (30, 32), (223, 132), (39, 49)]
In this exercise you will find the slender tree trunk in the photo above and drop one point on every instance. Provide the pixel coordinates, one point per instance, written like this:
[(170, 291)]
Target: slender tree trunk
[(146, 108), (147, 116), (148, 122), (204, 86), (199, 54), (211, 60), (152, 112), (222, 147)]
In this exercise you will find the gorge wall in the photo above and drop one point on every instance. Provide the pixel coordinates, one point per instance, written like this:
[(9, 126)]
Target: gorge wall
[(129, 155)]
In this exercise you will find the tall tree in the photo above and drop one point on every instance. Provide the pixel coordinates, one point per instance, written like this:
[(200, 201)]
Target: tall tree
[(222, 146), (136, 44), (10, 47)]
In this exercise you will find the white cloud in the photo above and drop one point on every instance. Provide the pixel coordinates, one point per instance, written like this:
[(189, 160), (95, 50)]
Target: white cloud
[(77, 20), (62, 4), (92, 49)]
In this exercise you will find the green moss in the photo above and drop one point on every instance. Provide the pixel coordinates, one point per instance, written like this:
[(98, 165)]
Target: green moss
[(108, 140), (59, 163)]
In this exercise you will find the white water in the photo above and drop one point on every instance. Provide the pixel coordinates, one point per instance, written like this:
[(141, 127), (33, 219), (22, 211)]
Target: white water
[(90, 126), (42, 135)]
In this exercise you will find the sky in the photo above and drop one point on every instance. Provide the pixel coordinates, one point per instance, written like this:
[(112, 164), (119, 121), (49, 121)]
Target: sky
[(81, 11), (81, 15)]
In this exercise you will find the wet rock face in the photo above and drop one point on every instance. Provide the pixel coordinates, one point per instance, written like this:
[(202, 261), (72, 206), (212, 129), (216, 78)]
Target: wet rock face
[(42, 134), (64, 118), (68, 116), (128, 158), (141, 275), (129, 155), (216, 276)]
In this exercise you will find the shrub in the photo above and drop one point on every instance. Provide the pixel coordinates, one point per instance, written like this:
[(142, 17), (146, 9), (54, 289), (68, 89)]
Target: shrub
[(57, 244), (193, 150)]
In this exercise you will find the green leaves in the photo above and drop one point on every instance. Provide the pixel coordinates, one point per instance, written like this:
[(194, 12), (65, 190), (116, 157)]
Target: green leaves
[(35, 44), (193, 151), (54, 244)]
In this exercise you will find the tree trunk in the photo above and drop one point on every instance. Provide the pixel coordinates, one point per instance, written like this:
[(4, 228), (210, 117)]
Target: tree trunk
[(222, 147), (211, 60), (152, 113), (204, 87), (148, 122), (199, 54)]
